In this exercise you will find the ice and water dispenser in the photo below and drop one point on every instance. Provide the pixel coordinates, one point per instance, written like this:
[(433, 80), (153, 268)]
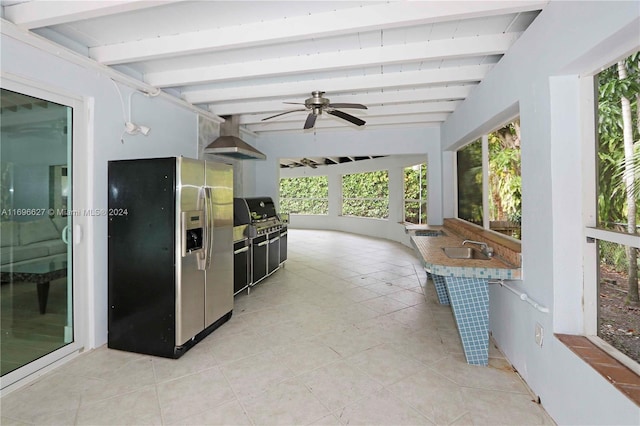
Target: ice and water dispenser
[(192, 232)]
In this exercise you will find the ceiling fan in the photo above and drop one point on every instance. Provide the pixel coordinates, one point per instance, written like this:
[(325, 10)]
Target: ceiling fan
[(317, 104), (309, 163)]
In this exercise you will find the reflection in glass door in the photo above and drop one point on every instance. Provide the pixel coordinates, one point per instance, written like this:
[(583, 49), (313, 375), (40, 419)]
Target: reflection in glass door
[(36, 316)]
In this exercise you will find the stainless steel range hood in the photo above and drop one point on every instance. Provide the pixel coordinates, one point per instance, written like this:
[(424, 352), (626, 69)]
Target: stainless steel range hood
[(229, 143)]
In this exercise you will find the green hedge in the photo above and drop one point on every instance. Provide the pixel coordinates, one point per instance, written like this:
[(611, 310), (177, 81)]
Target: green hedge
[(366, 194), (304, 195)]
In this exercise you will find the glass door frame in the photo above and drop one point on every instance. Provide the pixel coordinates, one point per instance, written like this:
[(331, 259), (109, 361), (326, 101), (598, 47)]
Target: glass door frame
[(82, 109)]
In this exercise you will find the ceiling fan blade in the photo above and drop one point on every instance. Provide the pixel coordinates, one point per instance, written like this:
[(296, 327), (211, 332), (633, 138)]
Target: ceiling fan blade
[(311, 121), (348, 117), (345, 105), (294, 103), (282, 113)]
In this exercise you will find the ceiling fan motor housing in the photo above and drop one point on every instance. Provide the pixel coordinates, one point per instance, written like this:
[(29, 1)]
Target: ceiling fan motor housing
[(316, 102)]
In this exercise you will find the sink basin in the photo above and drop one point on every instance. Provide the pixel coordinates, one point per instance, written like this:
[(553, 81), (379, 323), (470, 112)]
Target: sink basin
[(464, 253), (430, 233)]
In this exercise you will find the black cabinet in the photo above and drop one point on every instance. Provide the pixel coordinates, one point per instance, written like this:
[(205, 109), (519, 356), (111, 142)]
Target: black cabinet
[(241, 253), (283, 244), (274, 251), (259, 247)]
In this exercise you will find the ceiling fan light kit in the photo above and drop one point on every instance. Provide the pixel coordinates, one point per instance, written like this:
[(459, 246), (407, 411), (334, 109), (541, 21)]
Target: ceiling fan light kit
[(316, 104)]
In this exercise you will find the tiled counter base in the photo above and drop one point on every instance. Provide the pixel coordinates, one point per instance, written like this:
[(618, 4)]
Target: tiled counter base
[(464, 285), (441, 288), (469, 300)]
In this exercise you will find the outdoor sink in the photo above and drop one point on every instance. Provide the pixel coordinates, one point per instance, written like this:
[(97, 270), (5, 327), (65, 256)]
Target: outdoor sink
[(429, 233), (465, 253)]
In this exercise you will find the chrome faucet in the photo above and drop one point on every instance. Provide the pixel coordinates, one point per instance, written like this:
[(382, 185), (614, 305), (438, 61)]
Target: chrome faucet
[(483, 247)]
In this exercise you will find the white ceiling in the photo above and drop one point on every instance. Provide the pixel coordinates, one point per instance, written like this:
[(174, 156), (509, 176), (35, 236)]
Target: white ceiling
[(409, 62)]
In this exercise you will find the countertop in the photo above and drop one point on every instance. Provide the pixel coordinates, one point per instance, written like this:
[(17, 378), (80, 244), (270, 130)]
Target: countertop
[(438, 263)]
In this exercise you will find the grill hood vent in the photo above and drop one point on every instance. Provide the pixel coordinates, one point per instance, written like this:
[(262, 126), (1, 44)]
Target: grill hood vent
[(229, 143)]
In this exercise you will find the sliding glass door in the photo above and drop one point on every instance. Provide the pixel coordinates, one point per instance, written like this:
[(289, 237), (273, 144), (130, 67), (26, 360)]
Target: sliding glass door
[(36, 220)]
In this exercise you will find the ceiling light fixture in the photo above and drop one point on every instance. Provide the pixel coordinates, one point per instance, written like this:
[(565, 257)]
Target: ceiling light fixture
[(134, 129)]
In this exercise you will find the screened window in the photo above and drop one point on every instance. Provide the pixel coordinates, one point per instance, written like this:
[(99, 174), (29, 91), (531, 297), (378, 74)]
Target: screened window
[(499, 206), (469, 173), (415, 194), (304, 195), (618, 213), (505, 183), (366, 194)]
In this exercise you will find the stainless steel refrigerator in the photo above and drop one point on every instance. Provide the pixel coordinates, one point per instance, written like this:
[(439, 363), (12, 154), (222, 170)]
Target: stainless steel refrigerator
[(170, 253)]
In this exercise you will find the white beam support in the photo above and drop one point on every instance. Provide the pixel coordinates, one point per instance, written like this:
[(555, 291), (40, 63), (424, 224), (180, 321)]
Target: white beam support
[(37, 14), (359, 19), (408, 119), (369, 99), (10, 30), (375, 56), (395, 80)]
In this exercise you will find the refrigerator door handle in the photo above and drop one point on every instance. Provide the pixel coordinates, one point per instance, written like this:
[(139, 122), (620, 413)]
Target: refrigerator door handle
[(210, 226), (202, 255)]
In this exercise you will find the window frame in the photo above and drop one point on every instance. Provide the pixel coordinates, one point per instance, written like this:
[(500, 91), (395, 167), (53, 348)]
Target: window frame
[(592, 233)]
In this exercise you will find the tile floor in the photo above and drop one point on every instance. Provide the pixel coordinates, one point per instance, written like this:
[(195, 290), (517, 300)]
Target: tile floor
[(347, 332)]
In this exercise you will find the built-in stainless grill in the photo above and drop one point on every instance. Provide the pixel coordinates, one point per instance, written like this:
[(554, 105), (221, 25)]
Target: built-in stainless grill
[(264, 231)]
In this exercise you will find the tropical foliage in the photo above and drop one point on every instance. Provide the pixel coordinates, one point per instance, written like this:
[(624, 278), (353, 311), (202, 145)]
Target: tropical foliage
[(469, 161), (415, 194), (505, 182), (619, 164), (612, 201)]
